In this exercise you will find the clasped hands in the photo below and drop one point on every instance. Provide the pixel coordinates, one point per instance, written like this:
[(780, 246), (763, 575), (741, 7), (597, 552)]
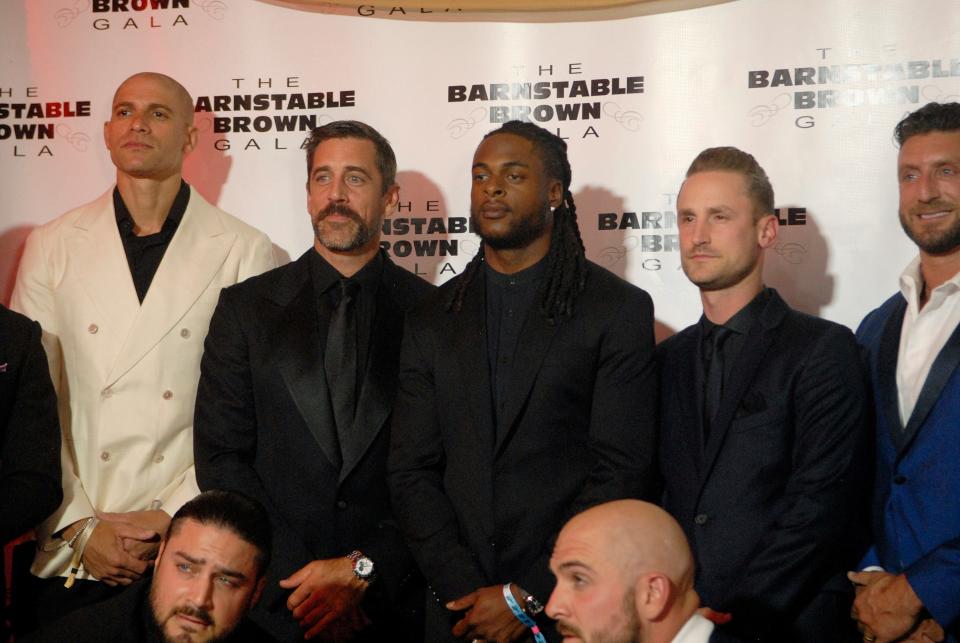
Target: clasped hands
[(122, 545), (487, 616), (326, 598), (887, 609)]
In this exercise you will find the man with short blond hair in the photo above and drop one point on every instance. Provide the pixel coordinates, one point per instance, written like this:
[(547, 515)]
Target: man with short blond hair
[(763, 423)]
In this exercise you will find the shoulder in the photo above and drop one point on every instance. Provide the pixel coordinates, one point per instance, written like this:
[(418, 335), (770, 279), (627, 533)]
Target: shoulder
[(873, 323), (408, 289), (805, 332), (79, 216), (677, 344), (243, 230), (275, 283), (16, 327)]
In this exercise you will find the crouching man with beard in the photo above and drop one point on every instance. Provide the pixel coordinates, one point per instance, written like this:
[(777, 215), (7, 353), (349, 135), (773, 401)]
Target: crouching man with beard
[(209, 572)]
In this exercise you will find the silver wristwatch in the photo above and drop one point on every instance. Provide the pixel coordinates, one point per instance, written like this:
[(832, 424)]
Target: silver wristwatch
[(363, 567)]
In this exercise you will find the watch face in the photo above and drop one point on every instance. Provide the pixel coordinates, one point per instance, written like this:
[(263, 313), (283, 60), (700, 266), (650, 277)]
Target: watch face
[(363, 567)]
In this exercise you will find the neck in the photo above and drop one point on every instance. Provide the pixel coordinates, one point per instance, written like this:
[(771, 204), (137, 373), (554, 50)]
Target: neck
[(720, 305), (936, 270), (509, 261), (666, 629), (349, 263), (148, 200)]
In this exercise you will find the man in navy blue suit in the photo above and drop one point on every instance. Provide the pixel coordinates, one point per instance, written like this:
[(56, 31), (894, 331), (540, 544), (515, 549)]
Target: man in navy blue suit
[(910, 585)]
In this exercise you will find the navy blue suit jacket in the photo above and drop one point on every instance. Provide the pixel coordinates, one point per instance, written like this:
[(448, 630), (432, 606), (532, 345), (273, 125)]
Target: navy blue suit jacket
[(917, 491)]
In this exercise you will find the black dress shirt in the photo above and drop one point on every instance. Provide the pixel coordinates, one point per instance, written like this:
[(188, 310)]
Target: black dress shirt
[(738, 325), (510, 298), (326, 285), (145, 253)]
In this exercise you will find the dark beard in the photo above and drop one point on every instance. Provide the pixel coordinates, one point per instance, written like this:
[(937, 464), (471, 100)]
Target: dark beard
[(520, 235)]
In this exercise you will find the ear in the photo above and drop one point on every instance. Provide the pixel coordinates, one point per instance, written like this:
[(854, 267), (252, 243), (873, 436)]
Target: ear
[(258, 591), (106, 140), (163, 544), (390, 199), (555, 193), (192, 137), (767, 228), (653, 593)]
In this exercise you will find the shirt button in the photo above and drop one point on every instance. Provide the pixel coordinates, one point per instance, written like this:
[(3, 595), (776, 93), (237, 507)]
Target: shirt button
[(92, 329), (107, 392), (167, 395), (341, 504), (185, 333), (104, 455), (899, 479), (700, 519), (158, 459)]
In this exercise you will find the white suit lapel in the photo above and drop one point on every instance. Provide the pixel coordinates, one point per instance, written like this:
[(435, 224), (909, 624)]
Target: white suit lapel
[(94, 246), (192, 260)]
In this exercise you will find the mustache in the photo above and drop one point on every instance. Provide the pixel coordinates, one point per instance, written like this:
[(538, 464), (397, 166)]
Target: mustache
[(341, 209), (933, 206), (565, 629), (195, 612)]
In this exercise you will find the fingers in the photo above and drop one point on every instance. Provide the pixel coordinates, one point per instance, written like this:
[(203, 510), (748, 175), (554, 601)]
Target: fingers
[(124, 530), (295, 578), (324, 621), (462, 603)]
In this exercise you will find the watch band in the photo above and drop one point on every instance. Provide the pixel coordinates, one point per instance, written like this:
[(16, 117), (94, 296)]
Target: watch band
[(522, 616)]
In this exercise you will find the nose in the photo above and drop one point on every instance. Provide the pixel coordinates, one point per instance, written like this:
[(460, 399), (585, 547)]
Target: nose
[(201, 592), (138, 123), (338, 191), (554, 608), (700, 231), (493, 188), (928, 188)]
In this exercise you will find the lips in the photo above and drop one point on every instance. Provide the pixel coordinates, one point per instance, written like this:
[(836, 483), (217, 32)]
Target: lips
[(494, 209)]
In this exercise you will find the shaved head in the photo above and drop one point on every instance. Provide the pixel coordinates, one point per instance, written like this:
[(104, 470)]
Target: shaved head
[(184, 100), (624, 575), (641, 536)]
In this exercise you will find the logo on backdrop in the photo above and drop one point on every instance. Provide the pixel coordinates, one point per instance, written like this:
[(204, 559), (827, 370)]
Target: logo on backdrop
[(138, 15), (268, 113), (418, 237), (825, 84), (566, 99), (31, 126), (653, 233)]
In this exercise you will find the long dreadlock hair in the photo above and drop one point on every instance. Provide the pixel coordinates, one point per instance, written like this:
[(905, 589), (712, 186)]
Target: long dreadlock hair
[(566, 260)]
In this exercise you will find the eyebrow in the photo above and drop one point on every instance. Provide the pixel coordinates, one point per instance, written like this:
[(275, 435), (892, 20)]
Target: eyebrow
[(224, 571), (571, 564), (507, 164), (349, 168), (127, 103)]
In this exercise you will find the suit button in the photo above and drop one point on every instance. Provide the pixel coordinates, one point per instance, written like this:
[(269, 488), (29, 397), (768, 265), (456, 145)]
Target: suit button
[(92, 329), (107, 392), (899, 479), (341, 504), (700, 519), (167, 395), (158, 459), (185, 333), (105, 455)]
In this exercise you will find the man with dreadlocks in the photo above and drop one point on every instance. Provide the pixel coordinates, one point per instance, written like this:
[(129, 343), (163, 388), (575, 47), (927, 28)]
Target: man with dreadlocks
[(527, 393)]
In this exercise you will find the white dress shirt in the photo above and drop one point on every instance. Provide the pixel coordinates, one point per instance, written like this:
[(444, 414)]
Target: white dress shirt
[(924, 333), (697, 629)]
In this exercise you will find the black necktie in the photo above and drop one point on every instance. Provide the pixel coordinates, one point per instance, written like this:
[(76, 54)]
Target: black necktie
[(340, 360), (714, 392)]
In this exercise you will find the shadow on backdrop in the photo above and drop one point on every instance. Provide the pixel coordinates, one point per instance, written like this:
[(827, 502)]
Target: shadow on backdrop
[(797, 265)]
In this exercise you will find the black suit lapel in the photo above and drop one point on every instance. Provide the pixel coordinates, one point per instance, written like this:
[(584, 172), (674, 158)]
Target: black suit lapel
[(532, 347), (685, 380), (945, 364), (745, 368), (887, 372), (300, 358), (470, 344), (380, 381)]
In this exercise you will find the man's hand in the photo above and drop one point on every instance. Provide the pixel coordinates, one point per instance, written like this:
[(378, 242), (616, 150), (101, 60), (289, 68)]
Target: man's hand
[(886, 606), (326, 598), (928, 631), (105, 556), (155, 520), (488, 616)]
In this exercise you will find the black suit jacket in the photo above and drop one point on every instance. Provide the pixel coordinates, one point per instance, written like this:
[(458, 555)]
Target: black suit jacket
[(482, 507), (30, 488), (264, 426), (774, 503)]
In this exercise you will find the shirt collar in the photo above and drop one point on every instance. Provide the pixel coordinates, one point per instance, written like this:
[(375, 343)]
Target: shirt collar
[(326, 276), (174, 216), (741, 322), (525, 277), (911, 284)]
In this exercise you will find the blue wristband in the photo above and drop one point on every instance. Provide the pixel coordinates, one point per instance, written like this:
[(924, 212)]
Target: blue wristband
[(522, 616)]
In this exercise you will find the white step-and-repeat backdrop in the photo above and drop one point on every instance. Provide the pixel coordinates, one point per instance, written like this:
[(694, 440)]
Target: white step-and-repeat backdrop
[(812, 89)]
